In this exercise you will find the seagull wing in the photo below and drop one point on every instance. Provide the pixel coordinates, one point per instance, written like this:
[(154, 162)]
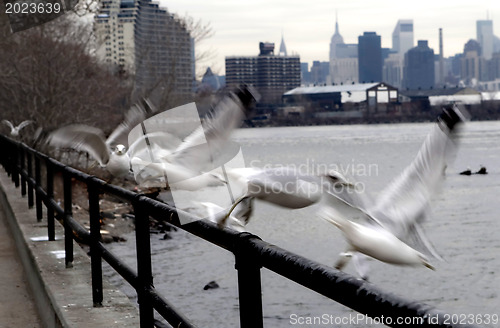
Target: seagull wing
[(81, 137), (135, 115), (24, 124), (8, 123), (209, 146), (406, 201)]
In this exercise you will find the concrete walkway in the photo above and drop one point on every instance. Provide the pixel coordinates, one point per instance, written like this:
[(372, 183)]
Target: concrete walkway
[(17, 305), (33, 275)]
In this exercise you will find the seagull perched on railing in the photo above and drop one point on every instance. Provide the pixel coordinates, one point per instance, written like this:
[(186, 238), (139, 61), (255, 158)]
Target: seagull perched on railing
[(14, 130), (111, 152), (395, 221)]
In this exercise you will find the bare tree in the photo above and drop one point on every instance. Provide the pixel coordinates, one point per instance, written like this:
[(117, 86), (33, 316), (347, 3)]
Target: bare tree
[(47, 75)]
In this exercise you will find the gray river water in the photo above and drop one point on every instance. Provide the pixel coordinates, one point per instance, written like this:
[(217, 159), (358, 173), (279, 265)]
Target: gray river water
[(464, 228)]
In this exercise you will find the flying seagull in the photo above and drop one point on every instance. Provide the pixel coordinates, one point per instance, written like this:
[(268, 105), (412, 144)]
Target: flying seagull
[(394, 222), (203, 150), (282, 185), (110, 153), (14, 130)]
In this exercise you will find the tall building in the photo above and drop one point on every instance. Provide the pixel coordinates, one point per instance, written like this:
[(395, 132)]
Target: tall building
[(485, 37), (271, 75), (343, 60), (163, 51), (141, 37), (114, 30), (370, 57), (402, 41), (419, 67), (471, 63), (402, 36)]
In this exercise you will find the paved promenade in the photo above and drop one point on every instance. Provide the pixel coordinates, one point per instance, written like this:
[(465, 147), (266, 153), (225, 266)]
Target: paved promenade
[(34, 278), (17, 305)]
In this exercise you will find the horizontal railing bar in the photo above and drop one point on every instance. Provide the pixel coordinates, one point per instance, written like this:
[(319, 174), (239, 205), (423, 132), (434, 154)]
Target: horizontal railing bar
[(168, 311)]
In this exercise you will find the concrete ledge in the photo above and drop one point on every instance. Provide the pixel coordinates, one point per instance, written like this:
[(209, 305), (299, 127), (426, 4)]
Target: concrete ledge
[(63, 295)]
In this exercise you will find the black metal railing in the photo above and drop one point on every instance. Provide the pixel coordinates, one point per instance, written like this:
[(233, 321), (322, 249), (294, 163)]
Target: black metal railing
[(251, 253)]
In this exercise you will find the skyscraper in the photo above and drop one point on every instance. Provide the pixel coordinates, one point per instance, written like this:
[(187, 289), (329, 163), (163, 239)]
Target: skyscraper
[(419, 67), (343, 59), (114, 30), (402, 37), (485, 37), (163, 52), (370, 57), (141, 37)]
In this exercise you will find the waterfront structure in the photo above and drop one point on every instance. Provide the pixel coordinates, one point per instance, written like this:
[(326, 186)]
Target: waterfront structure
[(271, 75), (344, 101), (419, 67), (370, 57)]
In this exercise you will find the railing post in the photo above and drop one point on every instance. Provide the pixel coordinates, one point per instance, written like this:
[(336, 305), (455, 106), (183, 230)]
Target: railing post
[(144, 269), (22, 169), (38, 184), (68, 212), (30, 177), (50, 195), (95, 237), (249, 283), (15, 165)]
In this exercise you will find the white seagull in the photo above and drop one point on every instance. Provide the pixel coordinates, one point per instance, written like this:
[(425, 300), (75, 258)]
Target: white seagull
[(282, 185), (14, 130), (204, 149), (400, 209), (110, 153)]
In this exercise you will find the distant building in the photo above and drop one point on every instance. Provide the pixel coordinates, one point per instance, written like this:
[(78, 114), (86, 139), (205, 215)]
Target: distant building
[(114, 29), (163, 51), (338, 100), (370, 57), (441, 97), (471, 63), (402, 36), (419, 67), (212, 82), (271, 75), (319, 72), (142, 38), (485, 37), (343, 60), (402, 41)]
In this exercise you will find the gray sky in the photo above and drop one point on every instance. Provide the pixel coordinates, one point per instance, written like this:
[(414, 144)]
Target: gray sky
[(307, 26)]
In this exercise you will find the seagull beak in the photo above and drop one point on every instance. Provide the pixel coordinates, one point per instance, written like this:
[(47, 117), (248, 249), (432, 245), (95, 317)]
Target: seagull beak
[(428, 265)]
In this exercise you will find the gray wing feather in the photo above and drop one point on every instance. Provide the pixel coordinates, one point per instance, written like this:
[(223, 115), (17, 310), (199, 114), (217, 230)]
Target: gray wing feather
[(81, 137)]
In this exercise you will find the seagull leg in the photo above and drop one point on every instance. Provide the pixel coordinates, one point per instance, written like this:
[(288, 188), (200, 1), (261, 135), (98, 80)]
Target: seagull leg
[(224, 219), (343, 260), (360, 262)]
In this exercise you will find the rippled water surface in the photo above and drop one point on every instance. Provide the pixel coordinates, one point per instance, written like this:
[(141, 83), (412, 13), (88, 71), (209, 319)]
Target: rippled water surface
[(464, 228)]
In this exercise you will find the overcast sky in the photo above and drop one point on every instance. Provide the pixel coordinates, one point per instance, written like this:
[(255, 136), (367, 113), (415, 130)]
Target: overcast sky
[(307, 26)]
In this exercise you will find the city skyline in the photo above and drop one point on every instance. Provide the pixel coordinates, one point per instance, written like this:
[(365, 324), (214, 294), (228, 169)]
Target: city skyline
[(308, 26)]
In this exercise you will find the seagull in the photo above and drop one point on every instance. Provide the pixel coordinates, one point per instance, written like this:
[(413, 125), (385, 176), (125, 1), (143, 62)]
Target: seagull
[(188, 165), (216, 214), (14, 130), (283, 185), (110, 153), (394, 222)]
